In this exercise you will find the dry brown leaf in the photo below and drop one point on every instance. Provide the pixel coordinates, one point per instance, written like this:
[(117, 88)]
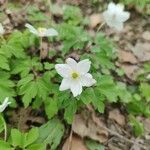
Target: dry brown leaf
[(76, 143), (146, 35), (126, 56), (117, 116), (142, 51), (87, 127), (130, 70), (95, 19)]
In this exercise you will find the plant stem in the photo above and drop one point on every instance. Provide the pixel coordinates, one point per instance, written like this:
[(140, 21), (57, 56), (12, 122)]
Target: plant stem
[(99, 28), (5, 127), (41, 40)]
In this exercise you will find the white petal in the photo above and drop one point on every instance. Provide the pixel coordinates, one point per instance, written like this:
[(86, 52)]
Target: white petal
[(63, 69), (118, 26), (111, 6), (84, 66), (4, 104), (1, 29), (87, 80), (51, 32), (31, 29), (72, 63), (76, 87), (120, 7), (65, 84), (148, 76), (124, 16)]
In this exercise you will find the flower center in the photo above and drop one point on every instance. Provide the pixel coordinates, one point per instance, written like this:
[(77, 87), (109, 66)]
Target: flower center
[(75, 75), (41, 30)]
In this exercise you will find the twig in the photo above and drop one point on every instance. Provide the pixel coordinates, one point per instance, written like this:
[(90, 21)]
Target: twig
[(100, 27), (5, 128), (70, 140)]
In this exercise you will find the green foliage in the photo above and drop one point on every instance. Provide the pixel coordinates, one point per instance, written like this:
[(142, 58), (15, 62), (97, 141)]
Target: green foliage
[(92, 145), (72, 14), (6, 86), (35, 82), (21, 140), (137, 126), (31, 87), (73, 37), (139, 3), (51, 133)]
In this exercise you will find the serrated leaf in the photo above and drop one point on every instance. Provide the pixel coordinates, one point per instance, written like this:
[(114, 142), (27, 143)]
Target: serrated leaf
[(51, 133), (31, 136), (51, 107)]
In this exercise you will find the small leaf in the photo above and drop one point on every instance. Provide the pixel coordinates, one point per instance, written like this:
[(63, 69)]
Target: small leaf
[(51, 133)]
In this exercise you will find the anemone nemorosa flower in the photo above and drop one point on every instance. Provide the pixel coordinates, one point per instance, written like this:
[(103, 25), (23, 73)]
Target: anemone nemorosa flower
[(42, 32), (115, 16), (75, 75)]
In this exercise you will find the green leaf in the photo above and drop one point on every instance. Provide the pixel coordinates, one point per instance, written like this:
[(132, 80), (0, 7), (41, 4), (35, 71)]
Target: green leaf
[(51, 107), (37, 147), (4, 63), (31, 136), (17, 138), (51, 133), (137, 126), (5, 146), (70, 110), (93, 145), (6, 88), (145, 90)]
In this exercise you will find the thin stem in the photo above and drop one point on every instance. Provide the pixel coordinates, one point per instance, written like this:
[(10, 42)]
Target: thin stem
[(50, 9), (41, 41), (99, 28), (5, 127), (70, 139)]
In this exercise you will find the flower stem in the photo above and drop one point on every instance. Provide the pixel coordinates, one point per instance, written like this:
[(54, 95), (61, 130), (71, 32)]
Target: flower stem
[(41, 41), (99, 28), (5, 127)]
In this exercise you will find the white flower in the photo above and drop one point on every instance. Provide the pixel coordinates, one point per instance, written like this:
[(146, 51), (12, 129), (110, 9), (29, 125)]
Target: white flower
[(148, 76), (42, 32), (75, 75), (115, 16), (4, 104), (2, 31)]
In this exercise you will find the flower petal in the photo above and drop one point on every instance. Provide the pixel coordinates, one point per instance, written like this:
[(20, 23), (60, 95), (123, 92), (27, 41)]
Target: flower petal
[(63, 69), (51, 32), (1, 29), (65, 84), (87, 80), (31, 29), (118, 26), (124, 16), (84, 66), (72, 63), (76, 87), (111, 6), (4, 104)]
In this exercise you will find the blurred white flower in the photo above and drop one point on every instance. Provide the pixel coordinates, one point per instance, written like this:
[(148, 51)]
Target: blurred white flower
[(75, 75), (115, 16), (2, 31), (42, 32), (148, 76), (4, 104)]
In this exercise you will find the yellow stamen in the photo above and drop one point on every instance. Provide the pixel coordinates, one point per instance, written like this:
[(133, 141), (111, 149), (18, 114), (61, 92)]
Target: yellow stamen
[(41, 30), (74, 75)]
